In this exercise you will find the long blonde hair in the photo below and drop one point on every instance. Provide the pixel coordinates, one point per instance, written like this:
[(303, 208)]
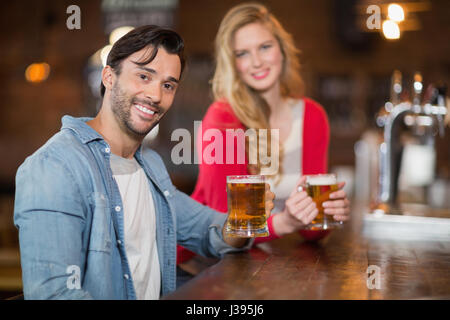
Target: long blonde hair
[(250, 108)]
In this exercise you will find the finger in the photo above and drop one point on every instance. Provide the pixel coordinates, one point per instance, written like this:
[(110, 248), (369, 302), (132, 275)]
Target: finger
[(296, 198), (340, 194), (270, 195), (312, 215), (341, 218), (301, 206), (269, 208), (269, 204), (340, 187), (337, 211), (341, 184), (335, 204), (303, 216), (343, 203), (299, 183)]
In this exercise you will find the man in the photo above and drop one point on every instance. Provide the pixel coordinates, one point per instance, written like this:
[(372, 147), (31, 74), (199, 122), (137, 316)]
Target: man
[(97, 214)]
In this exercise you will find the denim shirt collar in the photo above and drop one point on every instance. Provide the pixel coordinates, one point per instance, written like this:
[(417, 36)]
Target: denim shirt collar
[(85, 132)]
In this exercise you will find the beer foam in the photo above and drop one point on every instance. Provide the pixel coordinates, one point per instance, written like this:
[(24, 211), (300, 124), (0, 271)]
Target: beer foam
[(321, 180), (245, 180)]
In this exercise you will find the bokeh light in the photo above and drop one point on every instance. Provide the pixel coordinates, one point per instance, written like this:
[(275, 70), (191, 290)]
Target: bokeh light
[(37, 72)]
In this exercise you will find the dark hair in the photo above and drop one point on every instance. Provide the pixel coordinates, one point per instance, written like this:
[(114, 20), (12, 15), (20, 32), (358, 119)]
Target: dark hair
[(140, 38)]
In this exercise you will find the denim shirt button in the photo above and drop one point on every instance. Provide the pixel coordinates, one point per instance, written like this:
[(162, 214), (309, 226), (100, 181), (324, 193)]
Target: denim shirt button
[(117, 208), (107, 150), (166, 193), (119, 242), (126, 276)]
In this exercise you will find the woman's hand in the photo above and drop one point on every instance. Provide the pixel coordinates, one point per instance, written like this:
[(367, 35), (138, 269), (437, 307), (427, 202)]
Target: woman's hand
[(338, 206), (299, 211)]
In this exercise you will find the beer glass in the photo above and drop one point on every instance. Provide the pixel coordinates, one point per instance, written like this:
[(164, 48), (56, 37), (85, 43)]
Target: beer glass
[(319, 187), (246, 206)]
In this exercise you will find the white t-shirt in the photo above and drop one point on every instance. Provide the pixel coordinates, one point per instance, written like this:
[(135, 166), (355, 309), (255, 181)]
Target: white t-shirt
[(292, 159), (139, 226)]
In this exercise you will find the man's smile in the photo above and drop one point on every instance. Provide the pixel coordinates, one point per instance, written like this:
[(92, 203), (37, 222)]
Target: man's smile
[(147, 111)]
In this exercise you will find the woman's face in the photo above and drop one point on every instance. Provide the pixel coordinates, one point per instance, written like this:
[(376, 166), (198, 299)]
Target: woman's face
[(258, 57)]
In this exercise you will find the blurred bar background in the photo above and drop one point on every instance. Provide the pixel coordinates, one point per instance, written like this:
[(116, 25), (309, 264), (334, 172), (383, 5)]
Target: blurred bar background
[(346, 67)]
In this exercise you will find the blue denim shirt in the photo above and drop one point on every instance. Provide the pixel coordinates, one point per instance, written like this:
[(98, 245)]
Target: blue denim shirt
[(69, 213)]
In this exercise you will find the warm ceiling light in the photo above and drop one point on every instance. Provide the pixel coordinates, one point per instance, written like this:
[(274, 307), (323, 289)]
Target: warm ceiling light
[(37, 72), (118, 33), (391, 30), (396, 13)]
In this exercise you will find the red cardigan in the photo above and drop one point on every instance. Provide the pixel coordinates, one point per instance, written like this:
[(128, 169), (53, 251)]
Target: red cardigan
[(210, 189)]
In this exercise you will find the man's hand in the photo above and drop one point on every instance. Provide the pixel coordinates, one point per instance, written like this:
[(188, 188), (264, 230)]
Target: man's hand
[(270, 196), (240, 242)]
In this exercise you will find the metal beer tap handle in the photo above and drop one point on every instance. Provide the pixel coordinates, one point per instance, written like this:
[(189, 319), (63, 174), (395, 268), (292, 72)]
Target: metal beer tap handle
[(437, 107), (417, 89), (390, 151)]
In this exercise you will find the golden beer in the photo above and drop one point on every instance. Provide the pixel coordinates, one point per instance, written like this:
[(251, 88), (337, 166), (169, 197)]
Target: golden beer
[(319, 187), (246, 207)]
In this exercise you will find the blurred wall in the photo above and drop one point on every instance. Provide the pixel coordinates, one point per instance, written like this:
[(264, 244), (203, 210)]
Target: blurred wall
[(35, 31), (346, 70)]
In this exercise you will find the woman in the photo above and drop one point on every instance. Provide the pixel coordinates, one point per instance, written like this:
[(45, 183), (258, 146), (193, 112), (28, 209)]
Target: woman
[(257, 85)]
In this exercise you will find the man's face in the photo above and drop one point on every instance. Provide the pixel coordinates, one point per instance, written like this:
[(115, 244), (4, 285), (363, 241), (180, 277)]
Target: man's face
[(142, 94)]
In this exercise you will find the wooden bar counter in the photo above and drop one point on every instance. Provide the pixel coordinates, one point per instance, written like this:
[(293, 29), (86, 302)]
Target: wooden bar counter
[(335, 267)]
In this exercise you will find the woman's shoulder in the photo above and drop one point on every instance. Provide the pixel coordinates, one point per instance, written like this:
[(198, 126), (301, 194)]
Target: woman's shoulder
[(221, 108), (312, 105), (314, 109), (220, 114)]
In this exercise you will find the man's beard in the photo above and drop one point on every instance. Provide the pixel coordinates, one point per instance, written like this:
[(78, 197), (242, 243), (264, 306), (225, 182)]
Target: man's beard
[(121, 105)]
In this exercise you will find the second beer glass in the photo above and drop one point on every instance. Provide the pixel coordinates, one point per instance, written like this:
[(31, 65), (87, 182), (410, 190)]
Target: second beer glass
[(246, 206), (319, 187)]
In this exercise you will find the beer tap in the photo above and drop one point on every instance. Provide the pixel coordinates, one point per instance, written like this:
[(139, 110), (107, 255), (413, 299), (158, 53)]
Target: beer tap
[(420, 122), (414, 114), (437, 106), (417, 89), (390, 149), (396, 87)]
